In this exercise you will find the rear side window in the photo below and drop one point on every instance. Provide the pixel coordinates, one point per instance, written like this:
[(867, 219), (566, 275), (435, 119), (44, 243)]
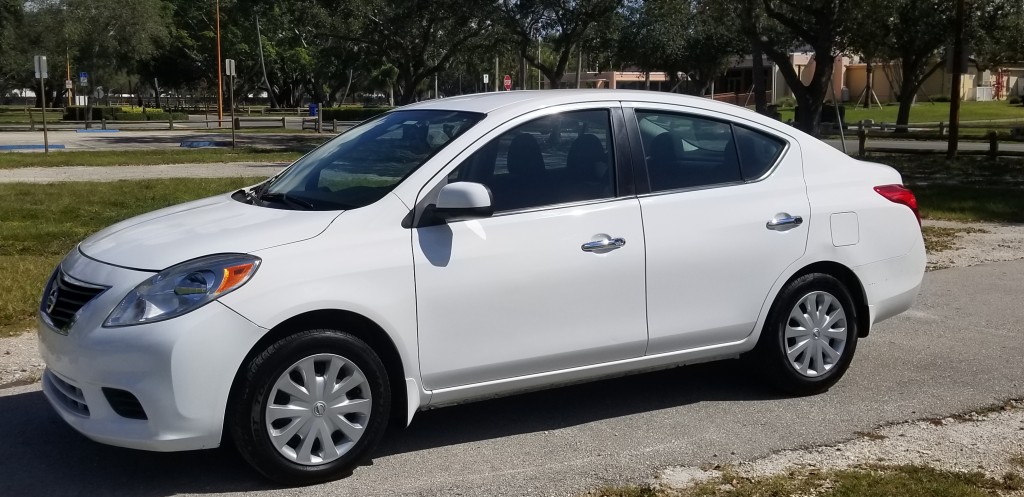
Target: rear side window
[(758, 152), (684, 151)]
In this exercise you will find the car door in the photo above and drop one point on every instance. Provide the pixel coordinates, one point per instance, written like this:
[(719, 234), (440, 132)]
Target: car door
[(723, 204), (530, 289)]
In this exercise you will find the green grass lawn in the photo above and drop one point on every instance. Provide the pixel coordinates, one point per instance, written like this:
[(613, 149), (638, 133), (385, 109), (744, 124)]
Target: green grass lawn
[(144, 157), (22, 117), (968, 189), (930, 112), (41, 223)]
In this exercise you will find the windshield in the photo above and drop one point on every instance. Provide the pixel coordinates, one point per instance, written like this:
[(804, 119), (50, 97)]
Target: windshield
[(364, 164)]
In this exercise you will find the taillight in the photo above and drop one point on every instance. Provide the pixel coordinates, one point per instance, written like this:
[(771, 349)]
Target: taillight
[(900, 195)]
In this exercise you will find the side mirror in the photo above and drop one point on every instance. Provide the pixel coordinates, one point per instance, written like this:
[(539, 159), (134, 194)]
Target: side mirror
[(463, 200)]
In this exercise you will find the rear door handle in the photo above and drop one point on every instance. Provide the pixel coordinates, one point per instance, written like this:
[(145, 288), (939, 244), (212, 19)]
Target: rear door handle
[(604, 245), (784, 222)]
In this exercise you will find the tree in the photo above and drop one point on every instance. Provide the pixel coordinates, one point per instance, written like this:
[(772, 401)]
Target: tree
[(681, 37), (917, 30), (419, 38), (12, 68), (562, 24), (782, 26)]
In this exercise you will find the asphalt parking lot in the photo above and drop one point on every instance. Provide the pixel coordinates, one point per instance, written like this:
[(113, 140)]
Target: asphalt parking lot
[(961, 347)]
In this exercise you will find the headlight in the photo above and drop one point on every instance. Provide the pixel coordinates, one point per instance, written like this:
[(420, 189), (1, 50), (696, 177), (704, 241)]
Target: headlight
[(183, 288)]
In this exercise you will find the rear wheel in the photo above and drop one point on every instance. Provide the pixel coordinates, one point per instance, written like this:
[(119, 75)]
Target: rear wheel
[(810, 336), (312, 406)]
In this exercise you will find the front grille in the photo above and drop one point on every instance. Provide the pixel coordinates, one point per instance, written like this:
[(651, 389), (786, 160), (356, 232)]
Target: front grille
[(66, 393), (64, 297), (124, 403)]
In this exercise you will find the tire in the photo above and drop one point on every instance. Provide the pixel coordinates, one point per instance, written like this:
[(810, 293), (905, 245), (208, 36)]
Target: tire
[(297, 435), (807, 355)]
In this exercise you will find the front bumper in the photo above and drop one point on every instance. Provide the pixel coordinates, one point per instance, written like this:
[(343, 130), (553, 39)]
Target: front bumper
[(179, 370)]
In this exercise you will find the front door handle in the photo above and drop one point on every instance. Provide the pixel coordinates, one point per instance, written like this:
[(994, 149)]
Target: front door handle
[(605, 245), (784, 222)]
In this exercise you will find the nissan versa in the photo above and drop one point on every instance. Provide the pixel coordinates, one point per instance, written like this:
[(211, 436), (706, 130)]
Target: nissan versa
[(469, 247)]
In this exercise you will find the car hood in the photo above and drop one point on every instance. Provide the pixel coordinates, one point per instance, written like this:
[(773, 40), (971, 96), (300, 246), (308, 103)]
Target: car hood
[(163, 238)]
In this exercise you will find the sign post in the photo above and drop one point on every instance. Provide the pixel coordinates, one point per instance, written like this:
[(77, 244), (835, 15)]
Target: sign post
[(508, 82), (487, 79), (229, 71), (40, 63)]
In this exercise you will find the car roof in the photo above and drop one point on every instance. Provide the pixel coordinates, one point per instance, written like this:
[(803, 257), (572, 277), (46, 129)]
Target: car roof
[(521, 101)]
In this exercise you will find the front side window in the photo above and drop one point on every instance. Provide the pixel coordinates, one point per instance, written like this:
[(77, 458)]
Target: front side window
[(565, 157), (362, 165)]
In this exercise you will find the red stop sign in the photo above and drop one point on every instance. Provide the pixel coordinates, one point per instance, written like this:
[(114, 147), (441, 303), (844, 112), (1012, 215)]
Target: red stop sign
[(508, 82)]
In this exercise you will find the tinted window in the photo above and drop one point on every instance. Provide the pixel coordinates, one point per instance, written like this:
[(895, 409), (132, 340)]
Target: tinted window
[(684, 151), (554, 159), (758, 152)]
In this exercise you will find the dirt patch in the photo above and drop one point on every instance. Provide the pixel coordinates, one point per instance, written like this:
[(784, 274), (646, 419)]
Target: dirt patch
[(19, 360), (990, 442), (963, 244)]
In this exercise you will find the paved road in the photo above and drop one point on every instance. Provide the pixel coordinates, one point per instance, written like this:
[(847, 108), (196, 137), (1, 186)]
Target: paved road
[(72, 140), (851, 145), (960, 348)]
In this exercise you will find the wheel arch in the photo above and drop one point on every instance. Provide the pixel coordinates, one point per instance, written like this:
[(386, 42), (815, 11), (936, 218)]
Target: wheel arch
[(852, 283), (350, 322)]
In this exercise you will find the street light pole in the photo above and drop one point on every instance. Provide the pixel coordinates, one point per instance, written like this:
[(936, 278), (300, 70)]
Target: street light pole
[(220, 81)]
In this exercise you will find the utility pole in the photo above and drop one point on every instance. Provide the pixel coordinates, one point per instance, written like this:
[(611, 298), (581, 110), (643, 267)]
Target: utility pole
[(220, 81), (540, 84), (67, 85), (40, 63), (229, 70), (495, 73), (954, 99)]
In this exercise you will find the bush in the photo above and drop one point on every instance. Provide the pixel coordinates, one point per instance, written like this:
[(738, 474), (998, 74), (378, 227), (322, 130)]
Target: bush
[(1014, 100), (122, 114), (98, 113), (351, 113), (940, 98)]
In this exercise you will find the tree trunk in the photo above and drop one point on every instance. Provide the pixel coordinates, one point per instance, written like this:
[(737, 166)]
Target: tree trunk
[(760, 97), (810, 110), (868, 91)]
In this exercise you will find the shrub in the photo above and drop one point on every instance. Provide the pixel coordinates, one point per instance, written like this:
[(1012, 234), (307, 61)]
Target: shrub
[(940, 98), (351, 113), (1014, 100)]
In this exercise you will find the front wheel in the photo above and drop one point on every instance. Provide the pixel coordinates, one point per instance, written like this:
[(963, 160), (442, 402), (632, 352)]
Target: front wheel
[(312, 406), (810, 336)]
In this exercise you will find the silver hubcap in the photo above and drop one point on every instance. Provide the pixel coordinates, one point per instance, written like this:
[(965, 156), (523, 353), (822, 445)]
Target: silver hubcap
[(318, 409), (816, 334)]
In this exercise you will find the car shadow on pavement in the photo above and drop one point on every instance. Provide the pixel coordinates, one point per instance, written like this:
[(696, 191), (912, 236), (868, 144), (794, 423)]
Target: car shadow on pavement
[(564, 407), (47, 457)]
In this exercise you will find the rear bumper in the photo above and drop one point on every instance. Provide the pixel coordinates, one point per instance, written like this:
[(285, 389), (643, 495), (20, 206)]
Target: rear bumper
[(892, 285)]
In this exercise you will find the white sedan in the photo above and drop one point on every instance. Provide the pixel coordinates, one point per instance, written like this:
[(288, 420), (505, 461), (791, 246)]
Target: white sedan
[(469, 247)]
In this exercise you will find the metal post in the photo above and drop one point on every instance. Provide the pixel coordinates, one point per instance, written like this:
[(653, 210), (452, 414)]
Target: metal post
[(220, 82), (495, 73), (862, 139), (232, 92), (839, 119), (46, 137), (954, 101)]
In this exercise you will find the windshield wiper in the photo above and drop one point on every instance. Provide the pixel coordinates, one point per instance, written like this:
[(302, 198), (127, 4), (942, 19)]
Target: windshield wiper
[(285, 199)]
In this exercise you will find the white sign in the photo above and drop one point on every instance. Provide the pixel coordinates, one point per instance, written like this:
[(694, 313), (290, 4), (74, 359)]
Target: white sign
[(487, 78), (40, 63), (68, 85), (229, 67)]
